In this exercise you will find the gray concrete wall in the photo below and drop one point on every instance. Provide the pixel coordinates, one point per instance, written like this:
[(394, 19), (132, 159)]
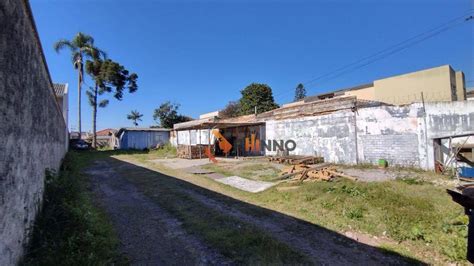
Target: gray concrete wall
[(331, 136), (32, 131), (445, 119), (403, 135)]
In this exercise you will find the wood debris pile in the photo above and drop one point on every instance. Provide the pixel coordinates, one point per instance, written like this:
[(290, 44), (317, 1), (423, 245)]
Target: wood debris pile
[(296, 159), (303, 172), (307, 168)]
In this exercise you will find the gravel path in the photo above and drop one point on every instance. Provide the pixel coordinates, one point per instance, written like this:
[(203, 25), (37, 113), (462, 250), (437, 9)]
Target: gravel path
[(148, 234)]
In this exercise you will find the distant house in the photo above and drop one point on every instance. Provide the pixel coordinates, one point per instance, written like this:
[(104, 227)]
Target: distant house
[(470, 94), (140, 138), (105, 137), (61, 91), (62, 97)]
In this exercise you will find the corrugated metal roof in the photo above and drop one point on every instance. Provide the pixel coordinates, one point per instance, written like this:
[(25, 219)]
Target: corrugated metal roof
[(60, 89), (145, 129)]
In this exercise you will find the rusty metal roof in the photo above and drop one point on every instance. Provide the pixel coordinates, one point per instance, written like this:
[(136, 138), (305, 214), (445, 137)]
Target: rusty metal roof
[(317, 107)]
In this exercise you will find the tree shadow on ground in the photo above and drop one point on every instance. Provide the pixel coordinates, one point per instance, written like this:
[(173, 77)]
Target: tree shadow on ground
[(242, 232)]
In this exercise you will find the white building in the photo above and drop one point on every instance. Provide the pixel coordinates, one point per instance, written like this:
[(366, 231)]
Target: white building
[(62, 97)]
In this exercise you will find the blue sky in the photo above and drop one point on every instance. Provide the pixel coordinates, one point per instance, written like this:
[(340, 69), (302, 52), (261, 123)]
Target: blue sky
[(200, 54)]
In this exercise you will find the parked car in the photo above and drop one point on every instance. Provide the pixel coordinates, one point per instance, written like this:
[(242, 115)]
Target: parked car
[(80, 145)]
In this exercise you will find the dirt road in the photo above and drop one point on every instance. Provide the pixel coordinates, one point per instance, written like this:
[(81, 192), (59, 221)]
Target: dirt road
[(156, 225)]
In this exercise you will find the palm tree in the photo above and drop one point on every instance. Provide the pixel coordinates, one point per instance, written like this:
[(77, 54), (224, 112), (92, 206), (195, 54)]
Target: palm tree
[(81, 47), (135, 116)]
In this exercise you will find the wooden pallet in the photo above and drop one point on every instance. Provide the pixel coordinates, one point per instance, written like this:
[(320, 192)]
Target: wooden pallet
[(296, 159)]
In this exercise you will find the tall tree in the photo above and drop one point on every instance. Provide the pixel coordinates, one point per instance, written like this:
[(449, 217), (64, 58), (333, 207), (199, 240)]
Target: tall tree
[(232, 109), (167, 115), (300, 92), (257, 97), (135, 116), (108, 76), (81, 47)]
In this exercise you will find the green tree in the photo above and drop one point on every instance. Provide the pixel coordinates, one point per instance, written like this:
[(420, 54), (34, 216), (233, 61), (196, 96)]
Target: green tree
[(232, 109), (135, 116), (109, 77), (300, 92), (167, 115), (257, 96), (81, 47)]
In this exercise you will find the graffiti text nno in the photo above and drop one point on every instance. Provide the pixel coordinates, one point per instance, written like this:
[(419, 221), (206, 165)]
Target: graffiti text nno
[(252, 144)]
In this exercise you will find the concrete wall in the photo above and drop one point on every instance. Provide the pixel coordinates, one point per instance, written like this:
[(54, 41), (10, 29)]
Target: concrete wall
[(331, 136), (32, 132), (445, 119), (403, 135)]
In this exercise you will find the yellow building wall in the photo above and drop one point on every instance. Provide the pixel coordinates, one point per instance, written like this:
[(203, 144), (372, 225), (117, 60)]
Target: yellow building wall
[(460, 86), (364, 94), (437, 84), (434, 83)]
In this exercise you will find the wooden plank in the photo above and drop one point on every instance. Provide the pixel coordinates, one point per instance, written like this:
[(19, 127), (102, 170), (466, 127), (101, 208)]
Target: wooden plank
[(320, 166), (342, 175)]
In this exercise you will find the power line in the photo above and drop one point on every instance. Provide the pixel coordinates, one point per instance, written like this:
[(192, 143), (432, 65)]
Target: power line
[(389, 50), (385, 55)]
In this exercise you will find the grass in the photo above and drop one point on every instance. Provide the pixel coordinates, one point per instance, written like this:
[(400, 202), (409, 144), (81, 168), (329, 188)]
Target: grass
[(167, 151), (263, 171), (237, 240), (415, 215), (70, 229)]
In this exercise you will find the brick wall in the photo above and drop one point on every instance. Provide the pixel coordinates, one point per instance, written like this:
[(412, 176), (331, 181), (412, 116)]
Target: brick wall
[(397, 149), (390, 133), (32, 132)]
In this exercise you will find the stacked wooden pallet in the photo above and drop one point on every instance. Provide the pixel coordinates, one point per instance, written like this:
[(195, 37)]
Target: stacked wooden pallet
[(191, 152), (303, 172), (296, 159)]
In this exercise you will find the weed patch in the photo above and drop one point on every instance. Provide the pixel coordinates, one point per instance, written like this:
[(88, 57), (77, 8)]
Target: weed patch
[(69, 229)]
